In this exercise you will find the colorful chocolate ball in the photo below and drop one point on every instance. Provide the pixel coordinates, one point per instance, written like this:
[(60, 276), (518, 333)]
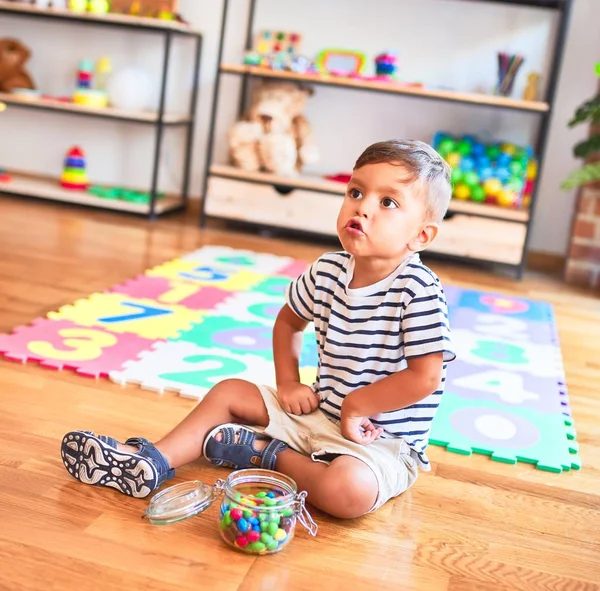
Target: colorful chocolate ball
[(257, 523)]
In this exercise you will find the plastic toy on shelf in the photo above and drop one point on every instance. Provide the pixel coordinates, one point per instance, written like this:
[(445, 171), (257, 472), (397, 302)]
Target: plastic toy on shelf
[(98, 6), (85, 73), (278, 50), (74, 175), (88, 93), (341, 62), (161, 9), (496, 173), (4, 176), (122, 193), (386, 65)]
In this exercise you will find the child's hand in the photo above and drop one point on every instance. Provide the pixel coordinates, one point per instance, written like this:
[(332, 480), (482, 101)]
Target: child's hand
[(356, 428), (297, 399), (359, 429)]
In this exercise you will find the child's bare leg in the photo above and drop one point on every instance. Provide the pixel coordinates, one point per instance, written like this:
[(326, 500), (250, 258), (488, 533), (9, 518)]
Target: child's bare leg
[(230, 401), (346, 488)]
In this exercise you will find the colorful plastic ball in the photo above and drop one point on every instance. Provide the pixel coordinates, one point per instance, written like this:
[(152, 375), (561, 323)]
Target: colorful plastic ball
[(528, 187), (514, 184), (516, 168), (506, 198), (504, 159), (483, 161), (503, 174), (520, 153), (492, 186), (130, 89), (509, 149), (485, 173), (492, 151), (446, 146), (478, 150), (438, 138), (453, 159), (467, 164), (461, 191), (456, 176), (532, 169), (477, 193), (471, 179), (463, 147)]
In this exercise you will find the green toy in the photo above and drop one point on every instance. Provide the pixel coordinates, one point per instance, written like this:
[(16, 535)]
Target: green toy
[(123, 194)]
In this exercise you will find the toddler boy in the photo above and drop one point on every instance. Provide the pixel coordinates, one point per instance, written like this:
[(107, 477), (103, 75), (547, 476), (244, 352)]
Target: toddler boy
[(357, 437)]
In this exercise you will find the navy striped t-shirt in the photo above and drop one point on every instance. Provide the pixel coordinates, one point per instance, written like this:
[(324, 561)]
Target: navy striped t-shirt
[(366, 334)]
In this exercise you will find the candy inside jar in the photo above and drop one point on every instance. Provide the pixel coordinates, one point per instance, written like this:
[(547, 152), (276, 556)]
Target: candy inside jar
[(258, 513)]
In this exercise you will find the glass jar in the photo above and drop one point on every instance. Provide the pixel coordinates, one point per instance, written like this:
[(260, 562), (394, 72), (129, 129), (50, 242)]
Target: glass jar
[(258, 513)]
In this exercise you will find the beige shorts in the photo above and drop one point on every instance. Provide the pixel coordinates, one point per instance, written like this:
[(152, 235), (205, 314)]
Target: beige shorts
[(316, 435)]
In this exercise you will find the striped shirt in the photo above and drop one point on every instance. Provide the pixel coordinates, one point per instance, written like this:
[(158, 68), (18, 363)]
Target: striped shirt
[(366, 334)]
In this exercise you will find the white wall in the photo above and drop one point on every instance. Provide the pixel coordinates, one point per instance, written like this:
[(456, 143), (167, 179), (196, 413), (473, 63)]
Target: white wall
[(445, 43)]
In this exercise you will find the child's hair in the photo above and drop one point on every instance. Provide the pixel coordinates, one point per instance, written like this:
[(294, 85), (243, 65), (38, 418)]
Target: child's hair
[(423, 164)]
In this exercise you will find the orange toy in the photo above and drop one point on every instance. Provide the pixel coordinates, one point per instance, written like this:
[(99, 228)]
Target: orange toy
[(13, 55)]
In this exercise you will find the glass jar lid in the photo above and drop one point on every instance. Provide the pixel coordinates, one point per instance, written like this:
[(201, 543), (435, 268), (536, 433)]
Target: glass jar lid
[(179, 502)]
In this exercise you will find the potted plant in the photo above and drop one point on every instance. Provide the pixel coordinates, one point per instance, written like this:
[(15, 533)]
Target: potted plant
[(589, 149)]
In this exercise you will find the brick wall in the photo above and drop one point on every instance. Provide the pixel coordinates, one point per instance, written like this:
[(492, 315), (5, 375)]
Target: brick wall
[(583, 263)]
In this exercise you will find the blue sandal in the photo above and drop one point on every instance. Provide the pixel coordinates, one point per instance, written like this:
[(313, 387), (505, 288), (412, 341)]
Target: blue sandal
[(95, 459), (240, 454)]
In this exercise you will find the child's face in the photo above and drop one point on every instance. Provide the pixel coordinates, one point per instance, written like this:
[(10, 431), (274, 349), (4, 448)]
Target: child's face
[(383, 216)]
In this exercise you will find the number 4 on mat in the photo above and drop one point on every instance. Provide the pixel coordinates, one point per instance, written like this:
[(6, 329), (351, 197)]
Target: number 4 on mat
[(142, 312)]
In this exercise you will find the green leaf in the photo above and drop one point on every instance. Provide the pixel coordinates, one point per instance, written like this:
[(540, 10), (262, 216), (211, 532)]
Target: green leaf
[(588, 174), (589, 110), (588, 147)]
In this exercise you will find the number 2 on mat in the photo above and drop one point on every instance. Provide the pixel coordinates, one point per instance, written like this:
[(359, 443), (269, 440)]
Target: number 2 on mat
[(207, 367), (142, 312)]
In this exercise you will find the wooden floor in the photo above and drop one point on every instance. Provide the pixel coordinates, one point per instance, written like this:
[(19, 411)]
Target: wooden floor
[(470, 525)]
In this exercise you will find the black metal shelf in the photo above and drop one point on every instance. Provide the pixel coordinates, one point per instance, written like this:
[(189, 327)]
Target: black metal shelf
[(542, 109), (551, 4), (167, 30)]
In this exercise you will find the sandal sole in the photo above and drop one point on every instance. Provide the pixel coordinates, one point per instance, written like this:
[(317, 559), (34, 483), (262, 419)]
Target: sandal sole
[(91, 461)]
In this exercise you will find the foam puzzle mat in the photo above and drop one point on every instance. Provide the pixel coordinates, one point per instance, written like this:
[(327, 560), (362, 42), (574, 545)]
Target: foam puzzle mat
[(187, 324)]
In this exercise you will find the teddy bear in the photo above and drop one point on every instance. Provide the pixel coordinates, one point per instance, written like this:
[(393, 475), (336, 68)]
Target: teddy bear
[(13, 56), (274, 135)]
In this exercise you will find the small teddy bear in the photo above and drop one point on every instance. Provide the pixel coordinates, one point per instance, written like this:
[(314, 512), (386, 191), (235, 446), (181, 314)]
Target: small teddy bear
[(13, 56), (274, 135)]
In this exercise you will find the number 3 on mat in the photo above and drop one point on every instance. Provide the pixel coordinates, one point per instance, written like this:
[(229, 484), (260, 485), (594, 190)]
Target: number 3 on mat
[(142, 312), (86, 344)]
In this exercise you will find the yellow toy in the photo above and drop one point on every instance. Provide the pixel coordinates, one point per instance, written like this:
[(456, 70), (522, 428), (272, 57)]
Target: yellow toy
[(78, 5), (274, 135), (532, 91)]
